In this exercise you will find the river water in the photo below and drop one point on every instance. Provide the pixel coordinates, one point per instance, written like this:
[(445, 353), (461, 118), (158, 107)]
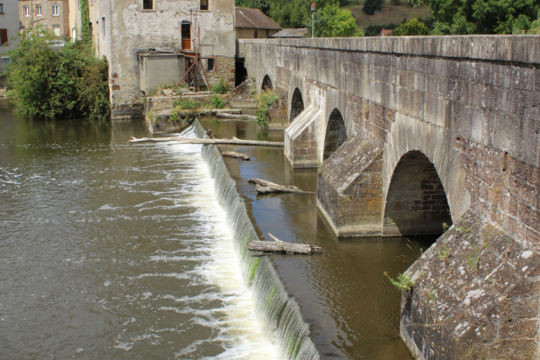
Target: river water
[(117, 251)]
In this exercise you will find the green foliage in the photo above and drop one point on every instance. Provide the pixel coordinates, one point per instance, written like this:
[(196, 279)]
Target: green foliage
[(413, 27), (216, 102), (534, 29), (370, 6), (152, 118), (332, 21), (483, 16), (374, 30), (221, 87), (186, 104), (264, 100), (263, 5), (403, 282), (85, 23), (66, 82), (444, 252), (175, 116)]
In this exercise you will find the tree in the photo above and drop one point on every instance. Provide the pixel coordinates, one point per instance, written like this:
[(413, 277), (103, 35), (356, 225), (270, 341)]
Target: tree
[(57, 83), (483, 16), (332, 21), (370, 6), (413, 27)]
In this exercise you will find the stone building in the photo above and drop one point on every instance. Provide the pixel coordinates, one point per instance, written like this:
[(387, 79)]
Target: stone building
[(9, 28), (124, 29), (253, 24), (52, 14)]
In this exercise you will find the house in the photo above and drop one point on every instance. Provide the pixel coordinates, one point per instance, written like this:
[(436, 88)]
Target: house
[(62, 17), (290, 33), (386, 32), (126, 32), (9, 28), (253, 24)]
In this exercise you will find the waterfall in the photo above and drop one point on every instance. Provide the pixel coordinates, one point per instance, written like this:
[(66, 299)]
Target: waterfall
[(281, 314)]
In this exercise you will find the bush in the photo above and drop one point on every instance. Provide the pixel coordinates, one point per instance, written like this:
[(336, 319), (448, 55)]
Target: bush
[(264, 100), (370, 6), (413, 27), (186, 104), (216, 102), (57, 83), (221, 87)]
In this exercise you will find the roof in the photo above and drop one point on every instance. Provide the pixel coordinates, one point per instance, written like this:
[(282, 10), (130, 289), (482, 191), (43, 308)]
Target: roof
[(290, 33), (254, 19), (386, 32)]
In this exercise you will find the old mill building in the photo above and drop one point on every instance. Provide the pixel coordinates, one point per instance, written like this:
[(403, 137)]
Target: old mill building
[(158, 36)]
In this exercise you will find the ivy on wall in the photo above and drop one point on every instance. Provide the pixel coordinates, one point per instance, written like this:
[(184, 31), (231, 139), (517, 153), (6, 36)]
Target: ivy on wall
[(85, 22)]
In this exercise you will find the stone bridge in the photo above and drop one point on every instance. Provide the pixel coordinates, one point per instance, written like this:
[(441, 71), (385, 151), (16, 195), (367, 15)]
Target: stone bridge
[(410, 134)]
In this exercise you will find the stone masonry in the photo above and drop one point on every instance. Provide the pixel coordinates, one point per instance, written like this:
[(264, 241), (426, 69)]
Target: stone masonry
[(439, 129)]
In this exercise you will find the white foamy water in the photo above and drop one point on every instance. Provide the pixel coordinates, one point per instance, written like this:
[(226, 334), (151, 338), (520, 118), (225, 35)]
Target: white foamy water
[(233, 323)]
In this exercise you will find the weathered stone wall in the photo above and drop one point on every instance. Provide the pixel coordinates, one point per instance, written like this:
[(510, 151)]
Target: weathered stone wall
[(471, 106), (130, 29), (224, 69)]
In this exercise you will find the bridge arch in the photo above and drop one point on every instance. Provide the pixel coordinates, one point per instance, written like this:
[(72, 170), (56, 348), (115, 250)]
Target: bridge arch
[(416, 202), (297, 104), (267, 83), (336, 133)]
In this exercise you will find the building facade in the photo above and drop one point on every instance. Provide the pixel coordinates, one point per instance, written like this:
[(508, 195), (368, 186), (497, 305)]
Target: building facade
[(9, 28), (52, 14), (123, 29), (253, 24)]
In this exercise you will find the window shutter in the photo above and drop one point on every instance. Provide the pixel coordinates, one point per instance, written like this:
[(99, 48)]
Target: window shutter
[(3, 36)]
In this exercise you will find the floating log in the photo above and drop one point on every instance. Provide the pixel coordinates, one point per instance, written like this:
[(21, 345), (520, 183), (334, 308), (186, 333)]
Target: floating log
[(236, 155), (267, 187), (278, 189), (234, 116), (233, 141), (278, 246)]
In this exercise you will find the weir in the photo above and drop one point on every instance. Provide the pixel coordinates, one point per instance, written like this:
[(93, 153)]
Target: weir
[(281, 314)]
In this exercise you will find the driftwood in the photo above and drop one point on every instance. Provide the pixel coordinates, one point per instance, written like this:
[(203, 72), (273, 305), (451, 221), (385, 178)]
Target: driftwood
[(233, 141), (283, 247), (233, 116), (267, 187), (236, 155)]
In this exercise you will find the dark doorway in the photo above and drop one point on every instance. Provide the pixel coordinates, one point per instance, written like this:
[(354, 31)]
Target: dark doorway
[(416, 203), (336, 134), (297, 104), (240, 72), (186, 36), (148, 4), (267, 83)]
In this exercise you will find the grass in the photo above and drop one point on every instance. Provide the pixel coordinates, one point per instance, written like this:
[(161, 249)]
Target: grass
[(393, 14), (186, 104), (403, 282)]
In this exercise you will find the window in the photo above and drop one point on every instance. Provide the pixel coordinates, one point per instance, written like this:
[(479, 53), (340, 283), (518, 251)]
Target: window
[(1, 8), (204, 4), (5, 62), (211, 65), (103, 26), (55, 10), (38, 10), (3, 36), (255, 34), (73, 34), (26, 10), (148, 4), (56, 29)]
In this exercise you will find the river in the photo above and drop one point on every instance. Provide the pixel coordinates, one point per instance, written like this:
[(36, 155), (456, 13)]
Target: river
[(118, 251)]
